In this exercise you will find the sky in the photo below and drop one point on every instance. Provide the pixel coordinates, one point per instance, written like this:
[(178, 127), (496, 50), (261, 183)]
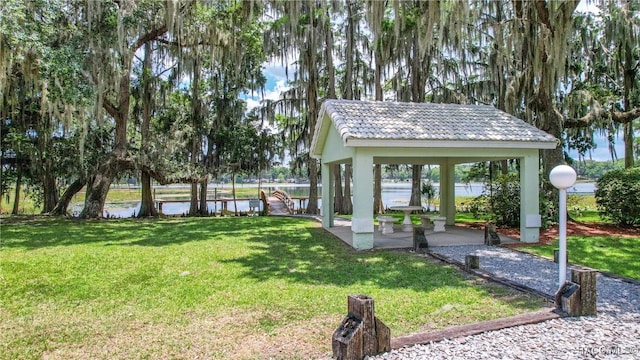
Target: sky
[(276, 76), (601, 152)]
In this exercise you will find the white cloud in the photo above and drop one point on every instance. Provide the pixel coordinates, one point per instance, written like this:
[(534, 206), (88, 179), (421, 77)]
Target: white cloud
[(272, 93)]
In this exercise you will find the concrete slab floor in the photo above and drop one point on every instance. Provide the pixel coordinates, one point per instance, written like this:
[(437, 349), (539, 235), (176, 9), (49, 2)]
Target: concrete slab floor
[(453, 235)]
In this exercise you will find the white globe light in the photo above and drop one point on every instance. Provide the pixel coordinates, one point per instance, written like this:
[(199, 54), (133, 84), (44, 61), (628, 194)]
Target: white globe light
[(562, 176)]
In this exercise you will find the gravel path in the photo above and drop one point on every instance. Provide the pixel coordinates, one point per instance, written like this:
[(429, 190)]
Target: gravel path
[(613, 334)]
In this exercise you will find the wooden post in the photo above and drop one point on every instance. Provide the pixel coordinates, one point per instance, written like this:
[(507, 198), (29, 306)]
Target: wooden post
[(347, 340), (588, 292), (570, 299), (420, 244), (383, 337), (360, 334), (471, 262), (362, 306), (578, 297), (490, 235), (556, 256)]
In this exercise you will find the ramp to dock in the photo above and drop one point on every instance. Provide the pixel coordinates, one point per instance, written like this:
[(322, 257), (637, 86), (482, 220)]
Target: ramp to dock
[(277, 206)]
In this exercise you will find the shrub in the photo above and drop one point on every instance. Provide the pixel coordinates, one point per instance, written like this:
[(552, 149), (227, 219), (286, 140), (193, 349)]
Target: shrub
[(618, 196), (502, 203)]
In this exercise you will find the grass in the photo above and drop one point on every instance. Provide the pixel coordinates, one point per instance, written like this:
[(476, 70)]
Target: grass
[(241, 288), (618, 255)]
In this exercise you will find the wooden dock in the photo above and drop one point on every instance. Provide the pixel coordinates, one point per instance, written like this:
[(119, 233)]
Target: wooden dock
[(281, 203), (278, 203), (277, 206)]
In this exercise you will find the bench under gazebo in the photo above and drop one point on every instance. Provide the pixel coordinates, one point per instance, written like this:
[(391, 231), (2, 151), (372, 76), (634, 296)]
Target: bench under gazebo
[(364, 133)]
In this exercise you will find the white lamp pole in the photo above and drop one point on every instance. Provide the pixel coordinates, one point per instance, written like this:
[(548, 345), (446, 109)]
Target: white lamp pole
[(562, 177)]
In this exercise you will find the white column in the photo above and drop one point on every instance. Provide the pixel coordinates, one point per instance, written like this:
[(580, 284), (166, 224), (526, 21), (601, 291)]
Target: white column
[(562, 241), (362, 220), (448, 191), (530, 220), (327, 195)]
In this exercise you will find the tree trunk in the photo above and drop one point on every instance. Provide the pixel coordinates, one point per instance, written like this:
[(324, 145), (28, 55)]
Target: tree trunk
[(348, 93), (378, 206), (312, 206), (204, 211), (312, 101), (628, 145), (195, 143), (147, 205), (416, 181), (61, 208), (45, 166), (348, 205), (339, 197), (418, 84), (97, 189), (50, 189), (233, 193), (193, 200), (331, 94), (100, 181), (629, 77), (97, 194), (16, 199)]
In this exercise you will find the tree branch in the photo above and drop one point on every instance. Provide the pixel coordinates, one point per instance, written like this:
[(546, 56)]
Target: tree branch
[(150, 36), (110, 108), (620, 117), (625, 117), (157, 32)]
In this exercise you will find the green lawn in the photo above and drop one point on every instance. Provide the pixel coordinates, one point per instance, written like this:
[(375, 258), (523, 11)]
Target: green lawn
[(249, 288), (616, 255)]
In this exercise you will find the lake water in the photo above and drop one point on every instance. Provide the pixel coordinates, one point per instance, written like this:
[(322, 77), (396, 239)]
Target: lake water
[(392, 195)]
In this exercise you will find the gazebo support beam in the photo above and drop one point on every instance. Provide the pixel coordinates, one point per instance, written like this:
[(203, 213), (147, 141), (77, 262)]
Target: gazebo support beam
[(530, 220), (448, 201), (362, 220), (327, 195)]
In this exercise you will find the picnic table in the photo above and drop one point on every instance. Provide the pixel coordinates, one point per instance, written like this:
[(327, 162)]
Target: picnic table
[(407, 225)]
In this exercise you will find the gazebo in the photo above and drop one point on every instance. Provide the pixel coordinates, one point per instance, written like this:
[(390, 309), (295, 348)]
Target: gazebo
[(365, 133)]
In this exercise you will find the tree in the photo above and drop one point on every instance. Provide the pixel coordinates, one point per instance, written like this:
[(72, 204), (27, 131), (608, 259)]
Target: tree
[(44, 93), (147, 206), (111, 73), (300, 29), (605, 94)]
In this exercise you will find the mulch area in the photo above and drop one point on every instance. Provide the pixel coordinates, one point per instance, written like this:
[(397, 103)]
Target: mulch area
[(547, 236)]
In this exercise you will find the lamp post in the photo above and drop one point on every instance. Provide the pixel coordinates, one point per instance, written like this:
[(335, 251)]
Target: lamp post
[(562, 177)]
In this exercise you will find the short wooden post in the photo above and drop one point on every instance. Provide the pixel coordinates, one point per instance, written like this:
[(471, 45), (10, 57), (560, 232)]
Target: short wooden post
[(362, 306), (578, 297), (586, 279), (420, 244), (347, 340), (471, 262), (490, 235), (569, 299), (383, 337), (360, 334), (556, 256)]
